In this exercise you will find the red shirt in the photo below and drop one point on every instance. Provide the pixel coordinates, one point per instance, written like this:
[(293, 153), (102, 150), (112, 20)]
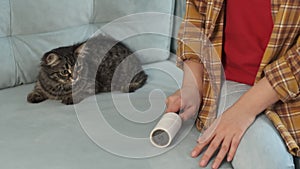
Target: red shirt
[(248, 29)]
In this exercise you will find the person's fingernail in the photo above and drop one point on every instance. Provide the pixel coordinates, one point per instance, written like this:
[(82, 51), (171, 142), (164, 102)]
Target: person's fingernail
[(228, 159), (202, 163), (194, 153), (214, 166)]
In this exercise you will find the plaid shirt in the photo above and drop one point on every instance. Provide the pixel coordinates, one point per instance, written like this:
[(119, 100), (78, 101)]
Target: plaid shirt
[(204, 20)]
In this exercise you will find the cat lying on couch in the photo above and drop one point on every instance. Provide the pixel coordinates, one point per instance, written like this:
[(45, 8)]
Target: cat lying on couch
[(100, 64)]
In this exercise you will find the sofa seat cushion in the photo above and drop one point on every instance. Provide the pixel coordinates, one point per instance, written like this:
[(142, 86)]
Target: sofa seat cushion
[(50, 136)]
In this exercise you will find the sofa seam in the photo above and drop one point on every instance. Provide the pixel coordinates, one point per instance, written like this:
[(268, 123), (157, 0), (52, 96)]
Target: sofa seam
[(10, 18), (171, 28), (92, 21), (11, 44)]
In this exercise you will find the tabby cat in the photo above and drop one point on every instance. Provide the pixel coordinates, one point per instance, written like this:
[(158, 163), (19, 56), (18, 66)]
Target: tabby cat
[(75, 72)]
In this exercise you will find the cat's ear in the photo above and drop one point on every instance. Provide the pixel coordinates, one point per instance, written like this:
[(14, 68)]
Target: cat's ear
[(80, 51), (51, 59)]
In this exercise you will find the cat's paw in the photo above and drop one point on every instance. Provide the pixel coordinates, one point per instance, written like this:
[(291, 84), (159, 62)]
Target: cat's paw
[(68, 101), (35, 97), (128, 88), (71, 100)]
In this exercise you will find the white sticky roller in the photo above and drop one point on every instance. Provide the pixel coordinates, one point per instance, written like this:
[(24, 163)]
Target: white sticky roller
[(165, 130)]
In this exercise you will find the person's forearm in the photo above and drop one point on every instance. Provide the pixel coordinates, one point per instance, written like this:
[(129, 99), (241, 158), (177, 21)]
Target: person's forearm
[(193, 74), (257, 99)]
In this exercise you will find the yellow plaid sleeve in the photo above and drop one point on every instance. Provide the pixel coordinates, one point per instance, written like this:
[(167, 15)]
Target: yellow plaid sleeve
[(284, 74), (200, 40), (190, 34)]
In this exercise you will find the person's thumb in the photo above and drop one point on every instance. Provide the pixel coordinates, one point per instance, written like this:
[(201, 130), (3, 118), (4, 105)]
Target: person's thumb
[(173, 105)]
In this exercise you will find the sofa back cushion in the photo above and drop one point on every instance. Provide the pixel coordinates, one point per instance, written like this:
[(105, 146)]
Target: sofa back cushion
[(30, 28)]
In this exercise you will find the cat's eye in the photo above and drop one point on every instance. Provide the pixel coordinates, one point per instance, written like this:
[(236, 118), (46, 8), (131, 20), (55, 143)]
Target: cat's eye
[(64, 72)]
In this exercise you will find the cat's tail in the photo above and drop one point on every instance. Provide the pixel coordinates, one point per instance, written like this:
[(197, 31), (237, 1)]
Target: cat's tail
[(137, 82)]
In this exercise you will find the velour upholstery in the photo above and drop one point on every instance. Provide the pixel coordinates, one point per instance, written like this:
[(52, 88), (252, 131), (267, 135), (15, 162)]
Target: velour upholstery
[(30, 28)]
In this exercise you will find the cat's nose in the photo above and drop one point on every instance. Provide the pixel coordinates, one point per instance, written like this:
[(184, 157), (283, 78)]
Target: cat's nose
[(74, 76)]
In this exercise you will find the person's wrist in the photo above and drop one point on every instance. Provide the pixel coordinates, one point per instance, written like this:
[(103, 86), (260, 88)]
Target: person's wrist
[(193, 75), (246, 109), (244, 114), (194, 87)]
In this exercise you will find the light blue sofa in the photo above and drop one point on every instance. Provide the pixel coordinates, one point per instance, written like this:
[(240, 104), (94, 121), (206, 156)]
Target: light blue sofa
[(51, 135)]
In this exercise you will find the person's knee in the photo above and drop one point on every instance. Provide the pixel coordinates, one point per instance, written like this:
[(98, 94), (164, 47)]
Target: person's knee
[(263, 162), (262, 148)]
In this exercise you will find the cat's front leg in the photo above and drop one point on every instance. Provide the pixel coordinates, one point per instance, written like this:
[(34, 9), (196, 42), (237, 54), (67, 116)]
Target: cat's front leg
[(36, 97)]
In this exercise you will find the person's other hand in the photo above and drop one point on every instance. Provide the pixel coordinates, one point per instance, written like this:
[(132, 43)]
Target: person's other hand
[(224, 136)]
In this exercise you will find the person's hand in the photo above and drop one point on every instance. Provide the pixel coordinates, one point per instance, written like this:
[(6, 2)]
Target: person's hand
[(227, 130), (187, 99), (223, 135)]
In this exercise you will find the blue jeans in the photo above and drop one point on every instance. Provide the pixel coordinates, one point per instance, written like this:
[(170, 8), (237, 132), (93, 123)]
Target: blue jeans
[(261, 146)]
